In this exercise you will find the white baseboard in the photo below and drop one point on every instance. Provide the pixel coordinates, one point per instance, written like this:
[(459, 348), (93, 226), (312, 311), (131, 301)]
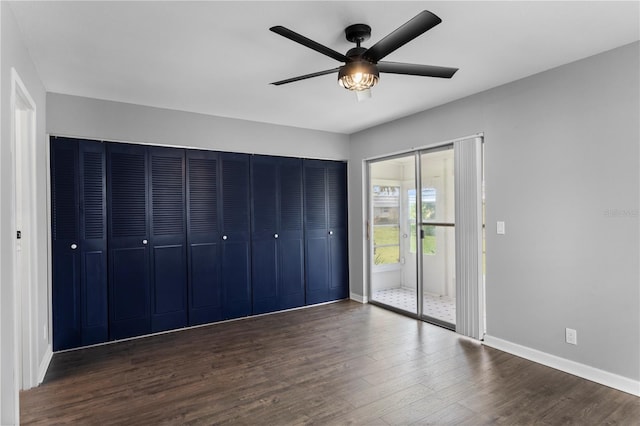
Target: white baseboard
[(581, 370), (44, 364), (358, 298)]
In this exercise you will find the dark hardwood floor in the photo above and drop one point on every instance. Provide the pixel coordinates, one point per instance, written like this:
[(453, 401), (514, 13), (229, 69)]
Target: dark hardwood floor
[(342, 363)]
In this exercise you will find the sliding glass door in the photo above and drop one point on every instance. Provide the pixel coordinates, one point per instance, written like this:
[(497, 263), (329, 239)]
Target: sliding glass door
[(413, 259), (438, 236), (392, 233)]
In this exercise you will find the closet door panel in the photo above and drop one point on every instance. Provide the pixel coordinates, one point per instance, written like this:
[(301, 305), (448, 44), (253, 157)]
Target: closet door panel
[(169, 291), (339, 280), (168, 239), (129, 278), (236, 274), (291, 276), (205, 299), (235, 196), (326, 230), (316, 232), (264, 180), (265, 275), (236, 242), (129, 293), (65, 234), (204, 239), (94, 313), (317, 265), (337, 221), (264, 184), (93, 242), (291, 243)]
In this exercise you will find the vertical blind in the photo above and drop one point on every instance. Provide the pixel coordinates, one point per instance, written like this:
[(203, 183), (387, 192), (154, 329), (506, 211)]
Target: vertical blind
[(468, 219)]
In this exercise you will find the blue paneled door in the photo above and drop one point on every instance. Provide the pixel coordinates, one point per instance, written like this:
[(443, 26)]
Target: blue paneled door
[(337, 231), (129, 275), (325, 226), (277, 243), (65, 234), (167, 239), (203, 237), (93, 242), (79, 258), (235, 235)]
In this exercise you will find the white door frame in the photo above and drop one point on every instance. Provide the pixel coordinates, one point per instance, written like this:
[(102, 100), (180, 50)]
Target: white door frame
[(23, 135)]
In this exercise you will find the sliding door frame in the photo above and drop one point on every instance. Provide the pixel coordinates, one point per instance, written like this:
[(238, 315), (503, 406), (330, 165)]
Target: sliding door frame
[(368, 215)]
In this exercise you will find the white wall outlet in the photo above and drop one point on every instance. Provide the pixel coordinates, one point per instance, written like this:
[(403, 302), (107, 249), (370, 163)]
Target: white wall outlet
[(571, 336), (500, 227)]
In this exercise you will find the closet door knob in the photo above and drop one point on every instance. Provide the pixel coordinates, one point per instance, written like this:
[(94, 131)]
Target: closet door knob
[(330, 232), (144, 242), (275, 235), (74, 246), (224, 237)]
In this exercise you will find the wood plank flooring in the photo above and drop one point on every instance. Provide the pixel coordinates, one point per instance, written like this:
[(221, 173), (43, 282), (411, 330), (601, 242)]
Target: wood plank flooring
[(342, 363)]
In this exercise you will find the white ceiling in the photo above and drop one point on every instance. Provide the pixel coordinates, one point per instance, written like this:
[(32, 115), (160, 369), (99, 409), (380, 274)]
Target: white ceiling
[(219, 57)]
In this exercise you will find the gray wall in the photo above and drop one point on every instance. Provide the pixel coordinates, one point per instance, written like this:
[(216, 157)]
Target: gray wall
[(14, 54), (106, 120), (562, 170)]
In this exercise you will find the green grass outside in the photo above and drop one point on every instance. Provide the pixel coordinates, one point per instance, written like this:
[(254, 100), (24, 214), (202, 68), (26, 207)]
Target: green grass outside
[(390, 235)]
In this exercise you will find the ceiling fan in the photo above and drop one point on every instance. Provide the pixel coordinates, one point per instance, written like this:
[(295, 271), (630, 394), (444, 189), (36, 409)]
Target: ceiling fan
[(362, 66)]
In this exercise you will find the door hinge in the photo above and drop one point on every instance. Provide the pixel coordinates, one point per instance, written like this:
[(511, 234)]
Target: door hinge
[(19, 234)]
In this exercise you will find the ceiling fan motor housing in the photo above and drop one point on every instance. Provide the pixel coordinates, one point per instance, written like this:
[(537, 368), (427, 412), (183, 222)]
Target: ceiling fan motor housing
[(357, 33)]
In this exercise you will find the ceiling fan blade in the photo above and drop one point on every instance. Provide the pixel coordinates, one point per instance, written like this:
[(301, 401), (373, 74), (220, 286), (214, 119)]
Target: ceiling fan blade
[(419, 24), (291, 35), (304, 77), (415, 69)]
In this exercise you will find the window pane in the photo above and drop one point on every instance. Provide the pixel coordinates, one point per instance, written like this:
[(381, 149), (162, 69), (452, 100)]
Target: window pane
[(386, 244), (429, 241), (428, 213), (386, 224)]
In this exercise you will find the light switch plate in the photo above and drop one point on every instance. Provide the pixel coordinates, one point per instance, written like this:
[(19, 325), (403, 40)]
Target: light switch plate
[(500, 227)]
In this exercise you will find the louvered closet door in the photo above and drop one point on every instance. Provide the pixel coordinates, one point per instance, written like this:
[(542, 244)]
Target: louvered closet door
[(236, 257), (65, 239), (129, 281), (204, 239), (168, 239), (264, 237), (337, 217), (93, 243), (291, 292), (316, 232), (277, 243)]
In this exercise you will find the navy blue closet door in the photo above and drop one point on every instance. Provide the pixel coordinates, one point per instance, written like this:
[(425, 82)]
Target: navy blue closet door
[(264, 233), (167, 239), (65, 234), (235, 239), (93, 242), (277, 248), (325, 231), (129, 281), (337, 221), (203, 237), (316, 232), (290, 231)]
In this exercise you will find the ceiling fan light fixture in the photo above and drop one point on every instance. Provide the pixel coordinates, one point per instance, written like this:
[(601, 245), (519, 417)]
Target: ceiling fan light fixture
[(358, 75)]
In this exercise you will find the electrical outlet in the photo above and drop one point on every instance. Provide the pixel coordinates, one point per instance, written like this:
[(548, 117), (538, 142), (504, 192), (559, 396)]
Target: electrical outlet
[(500, 228), (571, 336)]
